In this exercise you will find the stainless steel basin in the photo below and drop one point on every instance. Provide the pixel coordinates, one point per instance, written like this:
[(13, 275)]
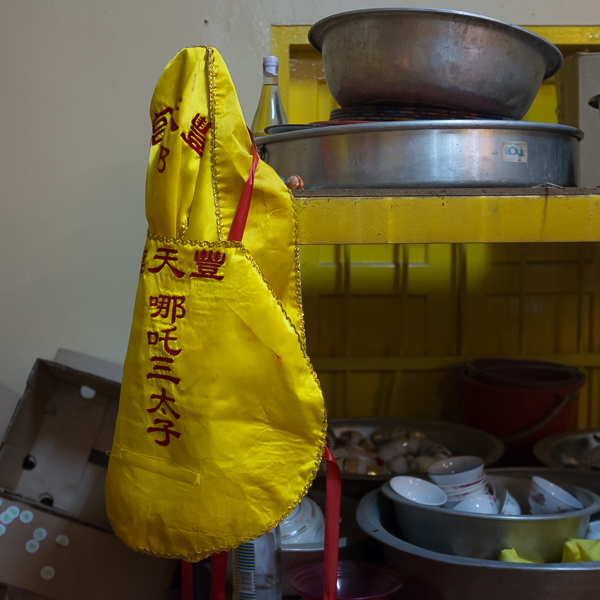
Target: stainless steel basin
[(570, 449), (538, 538), (427, 154), (435, 576), (441, 58)]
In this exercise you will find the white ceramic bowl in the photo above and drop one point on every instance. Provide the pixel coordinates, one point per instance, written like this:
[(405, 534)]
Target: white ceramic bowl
[(305, 524), (456, 470), (480, 491), (464, 489), (593, 531), (418, 490), (546, 498), (508, 505), (457, 489), (480, 505)]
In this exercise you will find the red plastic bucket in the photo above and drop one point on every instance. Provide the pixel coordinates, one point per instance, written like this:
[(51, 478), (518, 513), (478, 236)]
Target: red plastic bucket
[(521, 401)]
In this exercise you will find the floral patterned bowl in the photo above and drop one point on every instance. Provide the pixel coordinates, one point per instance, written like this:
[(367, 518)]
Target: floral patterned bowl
[(547, 498)]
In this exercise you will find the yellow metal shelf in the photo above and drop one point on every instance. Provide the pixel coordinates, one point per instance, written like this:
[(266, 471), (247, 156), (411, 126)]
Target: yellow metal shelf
[(447, 216)]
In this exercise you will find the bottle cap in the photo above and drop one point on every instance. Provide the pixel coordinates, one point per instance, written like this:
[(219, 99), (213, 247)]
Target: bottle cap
[(270, 65)]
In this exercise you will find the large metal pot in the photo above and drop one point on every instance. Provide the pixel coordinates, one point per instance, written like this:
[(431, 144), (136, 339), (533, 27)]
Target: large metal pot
[(442, 58), (435, 576), (426, 154)]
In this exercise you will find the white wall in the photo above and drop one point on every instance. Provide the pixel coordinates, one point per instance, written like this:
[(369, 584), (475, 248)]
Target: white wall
[(76, 78)]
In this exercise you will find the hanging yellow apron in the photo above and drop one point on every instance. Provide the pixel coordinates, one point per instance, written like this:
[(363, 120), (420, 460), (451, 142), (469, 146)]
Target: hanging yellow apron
[(221, 423)]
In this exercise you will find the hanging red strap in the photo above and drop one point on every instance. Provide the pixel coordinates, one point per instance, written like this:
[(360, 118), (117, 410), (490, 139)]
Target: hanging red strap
[(241, 214), (218, 574), (187, 580), (333, 497)]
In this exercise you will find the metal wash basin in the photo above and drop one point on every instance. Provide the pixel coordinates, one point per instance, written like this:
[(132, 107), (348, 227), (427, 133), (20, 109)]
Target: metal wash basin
[(436, 576)]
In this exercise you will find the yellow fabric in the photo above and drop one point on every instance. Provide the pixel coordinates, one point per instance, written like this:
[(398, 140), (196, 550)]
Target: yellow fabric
[(510, 555), (581, 551), (221, 423), (573, 551)]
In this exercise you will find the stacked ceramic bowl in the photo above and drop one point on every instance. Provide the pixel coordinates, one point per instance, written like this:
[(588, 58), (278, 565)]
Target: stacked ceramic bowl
[(459, 483), (461, 478)]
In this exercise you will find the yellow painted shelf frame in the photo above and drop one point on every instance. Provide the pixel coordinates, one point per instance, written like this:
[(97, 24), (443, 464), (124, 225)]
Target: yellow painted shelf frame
[(402, 286), (395, 216)]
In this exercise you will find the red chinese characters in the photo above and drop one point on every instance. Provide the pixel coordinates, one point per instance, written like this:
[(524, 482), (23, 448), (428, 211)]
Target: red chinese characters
[(208, 263), (164, 404), (163, 343), (168, 256), (196, 138), (154, 339), (166, 429), (162, 120), (143, 265), (160, 369), (168, 308)]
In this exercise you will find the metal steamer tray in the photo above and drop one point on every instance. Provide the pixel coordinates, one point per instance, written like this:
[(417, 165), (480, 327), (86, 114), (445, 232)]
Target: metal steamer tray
[(427, 154)]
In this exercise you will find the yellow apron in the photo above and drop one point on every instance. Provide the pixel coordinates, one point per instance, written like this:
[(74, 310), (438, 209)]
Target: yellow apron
[(221, 423)]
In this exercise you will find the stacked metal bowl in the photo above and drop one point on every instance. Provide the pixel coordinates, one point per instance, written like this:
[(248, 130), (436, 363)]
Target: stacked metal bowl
[(478, 75)]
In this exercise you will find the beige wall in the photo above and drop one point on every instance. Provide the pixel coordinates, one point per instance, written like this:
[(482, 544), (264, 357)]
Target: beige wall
[(76, 78)]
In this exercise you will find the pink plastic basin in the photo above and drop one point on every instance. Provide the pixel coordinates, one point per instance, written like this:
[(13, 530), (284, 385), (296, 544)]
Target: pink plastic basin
[(356, 581)]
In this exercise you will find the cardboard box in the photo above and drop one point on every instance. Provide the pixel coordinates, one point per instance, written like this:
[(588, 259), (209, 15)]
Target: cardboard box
[(53, 463), (576, 82)]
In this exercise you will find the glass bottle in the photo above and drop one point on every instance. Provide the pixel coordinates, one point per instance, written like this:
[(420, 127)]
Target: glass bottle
[(270, 109), (257, 568)]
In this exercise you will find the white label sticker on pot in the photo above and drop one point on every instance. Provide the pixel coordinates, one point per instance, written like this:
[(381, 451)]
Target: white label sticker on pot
[(514, 151)]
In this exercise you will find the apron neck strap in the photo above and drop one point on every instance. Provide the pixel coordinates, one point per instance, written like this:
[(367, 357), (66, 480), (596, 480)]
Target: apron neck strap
[(241, 214), (333, 497)]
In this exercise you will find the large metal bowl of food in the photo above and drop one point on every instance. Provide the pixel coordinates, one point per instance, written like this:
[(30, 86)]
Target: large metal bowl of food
[(440, 58), (437, 576), (409, 445), (570, 449)]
